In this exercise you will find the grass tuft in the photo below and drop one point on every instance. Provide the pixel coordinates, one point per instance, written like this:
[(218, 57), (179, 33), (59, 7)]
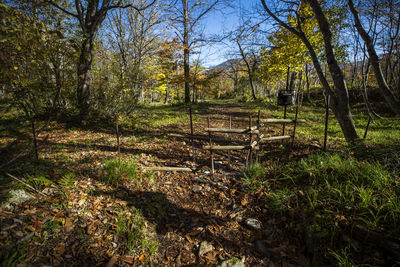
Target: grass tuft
[(254, 177), (115, 171)]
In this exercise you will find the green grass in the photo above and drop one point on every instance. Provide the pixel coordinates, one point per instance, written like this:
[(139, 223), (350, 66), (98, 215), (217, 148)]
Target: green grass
[(254, 177), (136, 234), (116, 171), (335, 191)]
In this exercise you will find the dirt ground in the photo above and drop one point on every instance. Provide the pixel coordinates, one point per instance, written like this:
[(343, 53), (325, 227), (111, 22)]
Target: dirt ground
[(75, 226)]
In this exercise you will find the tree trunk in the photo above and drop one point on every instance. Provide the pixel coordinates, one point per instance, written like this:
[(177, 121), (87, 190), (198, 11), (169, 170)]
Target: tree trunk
[(384, 89), (186, 66), (340, 100), (84, 67), (339, 97), (307, 82)]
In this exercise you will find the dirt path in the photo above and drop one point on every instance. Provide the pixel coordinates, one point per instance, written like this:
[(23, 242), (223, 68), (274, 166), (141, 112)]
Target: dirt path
[(188, 211)]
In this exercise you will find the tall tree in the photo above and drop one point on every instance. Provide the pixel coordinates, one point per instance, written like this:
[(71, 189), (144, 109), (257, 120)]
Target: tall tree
[(388, 95), (90, 15), (339, 93), (186, 16), (251, 61)]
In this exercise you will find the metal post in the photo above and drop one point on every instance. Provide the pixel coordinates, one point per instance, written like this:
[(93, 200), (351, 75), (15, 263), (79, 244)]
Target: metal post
[(327, 102), (366, 129)]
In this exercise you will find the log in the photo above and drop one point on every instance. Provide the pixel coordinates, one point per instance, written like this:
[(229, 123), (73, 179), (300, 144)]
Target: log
[(238, 131), (227, 147), (199, 137), (168, 169), (266, 121), (274, 138)]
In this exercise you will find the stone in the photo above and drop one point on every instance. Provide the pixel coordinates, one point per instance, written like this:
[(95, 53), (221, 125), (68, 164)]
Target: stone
[(17, 197), (232, 262), (206, 172), (261, 248), (197, 188), (205, 247), (253, 223), (207, 188)]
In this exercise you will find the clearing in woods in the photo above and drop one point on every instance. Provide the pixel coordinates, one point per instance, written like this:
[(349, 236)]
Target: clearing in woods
[(96, 213)]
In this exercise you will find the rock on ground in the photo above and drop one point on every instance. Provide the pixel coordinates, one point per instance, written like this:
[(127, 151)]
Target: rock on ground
[(205, 247), (233, 262), (18, 196), (253, 223)]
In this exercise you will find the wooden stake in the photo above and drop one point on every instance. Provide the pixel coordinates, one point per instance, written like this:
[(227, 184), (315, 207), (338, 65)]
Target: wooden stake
[(191, 133), (35, 146), (250, 161), (230, 139), (258, 135), (211, 152), (284, 117), (117, 132)]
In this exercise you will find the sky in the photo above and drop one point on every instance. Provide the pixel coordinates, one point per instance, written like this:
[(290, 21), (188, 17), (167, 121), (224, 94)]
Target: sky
[(219, 22)]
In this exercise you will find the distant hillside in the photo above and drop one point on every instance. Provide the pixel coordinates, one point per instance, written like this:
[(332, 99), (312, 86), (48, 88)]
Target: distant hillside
[(226, 64)]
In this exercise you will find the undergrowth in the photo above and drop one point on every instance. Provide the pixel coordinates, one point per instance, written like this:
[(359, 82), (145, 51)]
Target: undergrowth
[(136, 234), (336, 191)]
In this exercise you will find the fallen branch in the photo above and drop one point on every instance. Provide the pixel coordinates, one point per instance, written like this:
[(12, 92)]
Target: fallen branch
[(275, 138), (168, 169), (271, 121), (26, 184), (199, 137), (238, 131), (228, 147)]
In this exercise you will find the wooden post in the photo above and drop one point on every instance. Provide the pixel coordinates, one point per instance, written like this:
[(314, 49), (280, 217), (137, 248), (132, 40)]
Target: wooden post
[(117, 132), (327, 101), (297, 107), (211, 152), (230, 139), (366, 128), (250, 156), (191, 134), (284, 117), (35, 146)]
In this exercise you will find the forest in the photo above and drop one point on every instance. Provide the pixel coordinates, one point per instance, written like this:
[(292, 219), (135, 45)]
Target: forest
[(199, 133)]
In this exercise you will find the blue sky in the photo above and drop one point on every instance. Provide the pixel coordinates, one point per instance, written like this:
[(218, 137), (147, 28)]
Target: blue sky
[(219, 22)]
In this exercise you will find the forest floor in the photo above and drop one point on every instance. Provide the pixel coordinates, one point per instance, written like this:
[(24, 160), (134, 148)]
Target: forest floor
[(92, 206)]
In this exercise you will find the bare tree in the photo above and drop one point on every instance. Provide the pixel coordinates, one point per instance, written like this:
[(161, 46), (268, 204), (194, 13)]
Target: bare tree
[(133, 36), (251, 61), (186, 16)]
